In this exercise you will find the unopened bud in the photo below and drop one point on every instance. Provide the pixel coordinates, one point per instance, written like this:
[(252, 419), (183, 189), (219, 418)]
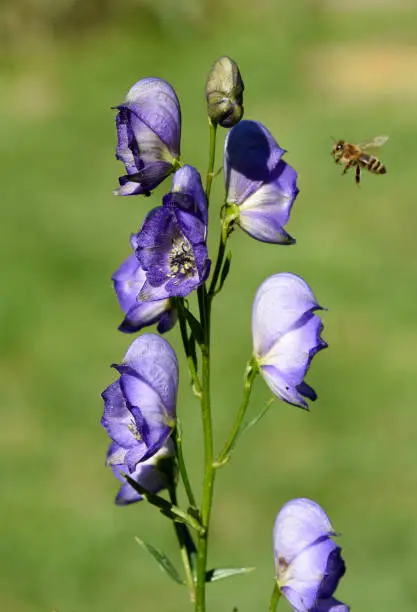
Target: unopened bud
[(224, 93)]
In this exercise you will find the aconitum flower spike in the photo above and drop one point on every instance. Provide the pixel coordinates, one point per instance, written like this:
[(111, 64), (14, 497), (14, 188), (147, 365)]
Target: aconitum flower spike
[(224, 93), (150, 474), (286, 335), (140, 406), (260, 186), (128, 280), (148, 135), (308, 563), (171, 246)]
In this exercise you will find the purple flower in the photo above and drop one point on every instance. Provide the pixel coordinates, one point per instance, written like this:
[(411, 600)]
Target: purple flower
[(171, 246), (148, 135), (140, 406), (128, 280), (286, 335), (147, 473), (308, 563), (260, 186)]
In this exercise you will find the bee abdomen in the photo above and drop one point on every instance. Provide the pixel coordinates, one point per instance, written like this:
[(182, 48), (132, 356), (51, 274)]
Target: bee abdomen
[(373, 164)]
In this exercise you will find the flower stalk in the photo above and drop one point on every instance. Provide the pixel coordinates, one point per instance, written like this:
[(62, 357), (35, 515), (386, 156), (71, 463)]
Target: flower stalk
[(250, 375)]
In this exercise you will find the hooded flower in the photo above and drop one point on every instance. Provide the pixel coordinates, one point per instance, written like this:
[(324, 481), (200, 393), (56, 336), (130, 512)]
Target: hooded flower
[(148, 135), (171, 246), (140, 406), (286, 335), (308, 564), (128, 280), (260, 186), (149, 473)]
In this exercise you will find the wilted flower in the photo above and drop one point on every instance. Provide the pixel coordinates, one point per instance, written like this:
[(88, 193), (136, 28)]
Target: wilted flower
[(140, 406), (148, 135), (150, 474), (286, 335), (224, 93), (308, 563), (171, 246), (128, 280), (260, 186)]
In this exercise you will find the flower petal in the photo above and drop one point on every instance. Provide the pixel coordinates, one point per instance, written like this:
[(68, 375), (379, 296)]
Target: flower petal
[(280, 302), (311, 569), (251, 156), (117, 419), (288, 360), (265, 212), (155, 103), (330, 605), (146, 474), (299, 524), (156, 363), (187, 180)]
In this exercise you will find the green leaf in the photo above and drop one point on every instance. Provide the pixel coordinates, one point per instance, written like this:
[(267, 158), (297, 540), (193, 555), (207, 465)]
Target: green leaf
[(195, 326), (162, 560), (226, 572), (225, 271), (258, 417), (167, 509)]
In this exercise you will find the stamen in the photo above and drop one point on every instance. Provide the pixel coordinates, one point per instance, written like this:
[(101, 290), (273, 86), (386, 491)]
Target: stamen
[(181, 258)]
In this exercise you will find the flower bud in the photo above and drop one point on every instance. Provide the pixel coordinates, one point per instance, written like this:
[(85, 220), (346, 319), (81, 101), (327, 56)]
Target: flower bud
[(224, 93)]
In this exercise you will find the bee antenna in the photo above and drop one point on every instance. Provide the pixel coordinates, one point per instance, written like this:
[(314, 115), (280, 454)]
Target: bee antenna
[(334, 139)]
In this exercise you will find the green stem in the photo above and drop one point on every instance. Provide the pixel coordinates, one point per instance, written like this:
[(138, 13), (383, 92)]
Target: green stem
[(275, 595), (180, 532), (212, 155), (209, 472), (250, 375), (208, 483)]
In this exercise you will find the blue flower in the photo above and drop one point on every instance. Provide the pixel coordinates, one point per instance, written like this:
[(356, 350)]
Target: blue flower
[(171, 246), (128, 281), (148, 135), (147, 473), (286, 335), (260, 186), (308, 563), (140, 406)]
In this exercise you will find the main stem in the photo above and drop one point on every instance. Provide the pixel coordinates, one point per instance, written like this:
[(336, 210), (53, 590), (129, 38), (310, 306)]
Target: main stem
[(209, 471)]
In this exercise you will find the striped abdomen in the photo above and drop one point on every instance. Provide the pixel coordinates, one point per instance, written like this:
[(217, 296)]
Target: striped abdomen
[(372, 164)]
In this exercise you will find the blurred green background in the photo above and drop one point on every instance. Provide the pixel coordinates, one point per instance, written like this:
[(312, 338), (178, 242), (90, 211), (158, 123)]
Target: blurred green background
[(312, 70)]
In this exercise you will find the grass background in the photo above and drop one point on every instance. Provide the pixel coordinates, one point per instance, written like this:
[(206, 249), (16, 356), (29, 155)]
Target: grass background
[(311, 70)]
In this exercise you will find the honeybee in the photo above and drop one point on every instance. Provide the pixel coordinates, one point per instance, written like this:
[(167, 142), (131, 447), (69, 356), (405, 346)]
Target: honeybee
[(357, 156)]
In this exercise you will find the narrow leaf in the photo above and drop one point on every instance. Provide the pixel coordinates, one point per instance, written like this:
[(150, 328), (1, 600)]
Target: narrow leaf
[(166, 508), (195, 326), (226, 572), (162, 560), (225, 271), (258, 417)]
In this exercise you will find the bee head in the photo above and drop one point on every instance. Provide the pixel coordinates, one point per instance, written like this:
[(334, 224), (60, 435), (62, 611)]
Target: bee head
[(338, 145)]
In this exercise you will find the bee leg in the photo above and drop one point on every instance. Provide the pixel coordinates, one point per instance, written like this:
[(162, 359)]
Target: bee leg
[(346, 168), (358, 175)]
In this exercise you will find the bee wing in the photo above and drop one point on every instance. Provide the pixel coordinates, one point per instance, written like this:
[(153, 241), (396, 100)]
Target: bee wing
[(373, 143)]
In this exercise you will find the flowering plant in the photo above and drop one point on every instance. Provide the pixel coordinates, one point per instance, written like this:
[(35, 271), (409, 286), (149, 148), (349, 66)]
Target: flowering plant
[(170, 260)]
